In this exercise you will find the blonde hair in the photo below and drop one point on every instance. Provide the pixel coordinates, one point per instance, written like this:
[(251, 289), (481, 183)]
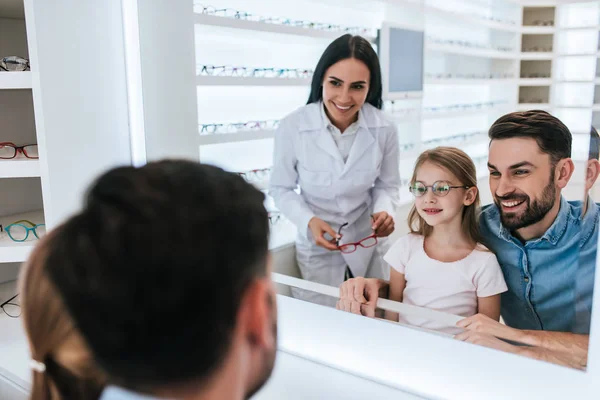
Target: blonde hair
[(54, 340), (459, 164)]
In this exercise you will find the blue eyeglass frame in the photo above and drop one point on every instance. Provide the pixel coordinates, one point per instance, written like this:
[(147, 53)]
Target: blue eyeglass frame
[(33, 228)]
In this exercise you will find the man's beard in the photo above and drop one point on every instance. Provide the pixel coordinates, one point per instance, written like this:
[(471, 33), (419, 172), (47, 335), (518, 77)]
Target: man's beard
[(268, 363), (534, 212)]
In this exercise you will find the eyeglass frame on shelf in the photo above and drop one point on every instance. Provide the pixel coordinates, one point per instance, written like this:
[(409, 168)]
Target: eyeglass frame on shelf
[(27, 229), (8, 302), (18, 149)]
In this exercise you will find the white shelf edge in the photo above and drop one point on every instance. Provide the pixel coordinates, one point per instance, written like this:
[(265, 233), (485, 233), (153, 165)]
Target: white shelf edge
[(473, 19), (535, 82), (19, 168), (574, 107), (533, 106), (567, 81), (579, 28), (531, 55), (577, 55), (596, 107), (226, 22), (597, 81), (474, 52), (466, 81), (15, 80), (538, 30), (250, 81), (218, 138)]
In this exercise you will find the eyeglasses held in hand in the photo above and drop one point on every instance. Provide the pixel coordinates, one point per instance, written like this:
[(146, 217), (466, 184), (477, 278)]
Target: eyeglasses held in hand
[(11, 309), (14, 63), (19, 232), (256, 174), (439, 188), (274, 217), (348, 248), (9, 150)]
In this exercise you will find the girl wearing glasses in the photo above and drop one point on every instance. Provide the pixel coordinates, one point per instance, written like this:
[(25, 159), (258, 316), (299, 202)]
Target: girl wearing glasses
[(440, 265), (343, 154)]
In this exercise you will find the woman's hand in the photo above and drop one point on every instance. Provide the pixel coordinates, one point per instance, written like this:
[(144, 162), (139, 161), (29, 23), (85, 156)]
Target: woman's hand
[(383, 224), (319, 228)]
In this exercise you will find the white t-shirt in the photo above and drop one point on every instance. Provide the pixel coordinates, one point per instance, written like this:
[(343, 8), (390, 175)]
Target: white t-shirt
[(451, 287)]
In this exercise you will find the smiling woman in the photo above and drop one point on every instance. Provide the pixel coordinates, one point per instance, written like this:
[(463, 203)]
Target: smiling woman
[(343, 154)]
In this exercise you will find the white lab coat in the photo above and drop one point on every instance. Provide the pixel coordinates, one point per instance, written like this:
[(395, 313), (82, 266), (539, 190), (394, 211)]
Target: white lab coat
[(368, 182)]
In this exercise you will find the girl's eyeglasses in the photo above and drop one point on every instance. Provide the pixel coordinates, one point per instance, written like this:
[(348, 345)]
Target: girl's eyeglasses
[(348, 248), (439, 188), (19, 232)]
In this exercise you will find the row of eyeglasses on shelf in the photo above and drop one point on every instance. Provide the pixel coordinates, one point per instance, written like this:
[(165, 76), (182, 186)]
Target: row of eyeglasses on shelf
[(250, 72), (398, 109), (473, 75), (243, 15), (537, 49), (225, 128), (468, 44)]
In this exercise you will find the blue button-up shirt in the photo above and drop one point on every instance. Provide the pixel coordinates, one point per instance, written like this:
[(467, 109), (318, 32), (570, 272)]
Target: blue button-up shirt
[(549, 286)]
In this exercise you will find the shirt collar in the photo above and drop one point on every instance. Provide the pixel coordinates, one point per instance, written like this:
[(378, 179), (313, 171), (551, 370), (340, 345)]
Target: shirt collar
[(118, 393), (553, 234), (351, 130)]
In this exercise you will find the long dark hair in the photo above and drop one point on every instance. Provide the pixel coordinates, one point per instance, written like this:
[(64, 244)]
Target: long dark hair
[(348, 46)]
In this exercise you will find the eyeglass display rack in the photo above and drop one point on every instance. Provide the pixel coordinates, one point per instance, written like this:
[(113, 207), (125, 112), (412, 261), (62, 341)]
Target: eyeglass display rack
[(20, 177)]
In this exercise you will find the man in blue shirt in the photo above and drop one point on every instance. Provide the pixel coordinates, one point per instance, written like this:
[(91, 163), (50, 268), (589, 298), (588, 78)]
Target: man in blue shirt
[(545, 245), (166, 273)]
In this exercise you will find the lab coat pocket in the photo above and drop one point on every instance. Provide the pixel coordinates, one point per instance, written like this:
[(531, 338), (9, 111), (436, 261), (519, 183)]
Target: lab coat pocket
[(315, 183), (362, 181)]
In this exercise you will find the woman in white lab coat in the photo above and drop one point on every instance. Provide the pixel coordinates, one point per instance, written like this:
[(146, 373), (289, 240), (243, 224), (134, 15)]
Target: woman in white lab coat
[(343, 154)]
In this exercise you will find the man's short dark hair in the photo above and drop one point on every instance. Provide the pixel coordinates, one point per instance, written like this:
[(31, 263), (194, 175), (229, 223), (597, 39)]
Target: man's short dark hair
[(154, 267), (551, 135), (594, 145)]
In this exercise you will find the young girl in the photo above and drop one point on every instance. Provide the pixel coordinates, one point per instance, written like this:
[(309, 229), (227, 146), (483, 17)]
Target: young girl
[(440, 265)]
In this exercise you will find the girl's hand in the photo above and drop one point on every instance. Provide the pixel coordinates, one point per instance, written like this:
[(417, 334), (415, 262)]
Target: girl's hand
[(383, 224), (318, 228)]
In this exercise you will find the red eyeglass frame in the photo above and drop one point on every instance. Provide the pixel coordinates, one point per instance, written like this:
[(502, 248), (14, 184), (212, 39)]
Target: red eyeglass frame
[(355, 244), (18, 149)]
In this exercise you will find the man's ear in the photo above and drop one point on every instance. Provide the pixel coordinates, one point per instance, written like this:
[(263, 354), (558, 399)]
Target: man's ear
[(258, 313), (591, 173), (470, 195), (564, 171)]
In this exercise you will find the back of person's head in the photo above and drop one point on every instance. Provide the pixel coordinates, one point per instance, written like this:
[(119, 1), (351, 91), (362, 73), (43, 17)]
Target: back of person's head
[(165, 271), (459, 164), (64, 368), (342, 48), (551, 135)]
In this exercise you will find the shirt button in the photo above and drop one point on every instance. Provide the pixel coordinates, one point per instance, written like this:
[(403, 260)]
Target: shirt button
[(526, 279)]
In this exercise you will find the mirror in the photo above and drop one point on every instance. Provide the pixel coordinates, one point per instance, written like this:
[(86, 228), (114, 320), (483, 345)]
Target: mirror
[(472, 74)]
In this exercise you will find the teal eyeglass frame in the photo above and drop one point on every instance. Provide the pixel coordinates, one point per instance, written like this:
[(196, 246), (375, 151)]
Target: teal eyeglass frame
[(33, 228)]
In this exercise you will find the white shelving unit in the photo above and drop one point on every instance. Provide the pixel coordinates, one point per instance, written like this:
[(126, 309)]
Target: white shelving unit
[(20, 178)]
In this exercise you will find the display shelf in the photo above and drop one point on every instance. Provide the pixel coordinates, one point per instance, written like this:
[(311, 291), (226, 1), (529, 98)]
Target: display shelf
[(15, 80), (596, 107), (533, 106), (283, 234), (242, 136), (597, 81), (579, 28), (535, 81), (14, 363), (250, 81), (472, 19), (467, 51), (586, 54), (538, 30), (466, 81), (19, 168), (11, 251), (225, 22), (530, 55)]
